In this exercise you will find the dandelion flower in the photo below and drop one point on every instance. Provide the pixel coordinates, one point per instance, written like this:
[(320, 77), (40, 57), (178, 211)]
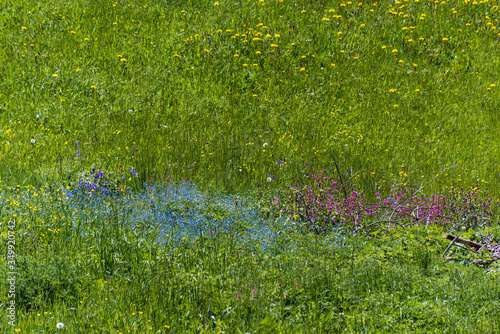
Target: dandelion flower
[(33, 140), (302, 69), (265, 144), (60, 325), (55, 75), (123, 60), (269, 179)]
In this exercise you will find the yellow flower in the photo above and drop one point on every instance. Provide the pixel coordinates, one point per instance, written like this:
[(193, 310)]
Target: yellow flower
[(219, 31), (493, 85), (302, 69), (256, 39), (325, 19), (362, 25), (72, 32), (55, 75), (245, 65), (302, 11), (339, 33), (401, 61), (277, 35), (258, 52), (395, 51), (333, 65), (207, 50), (236, 56), (383, 46), (269, 36), (216, 4), (274, 45), (93, 87), (445, 39), (24, 28), (123, 60), (396, 105)]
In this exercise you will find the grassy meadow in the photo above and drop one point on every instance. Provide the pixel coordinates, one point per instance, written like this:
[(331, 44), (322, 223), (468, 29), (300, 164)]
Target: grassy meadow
[(251, 166)]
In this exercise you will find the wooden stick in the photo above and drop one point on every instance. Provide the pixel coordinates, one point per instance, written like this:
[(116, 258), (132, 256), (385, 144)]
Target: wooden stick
[(463, 241), (449, 246)]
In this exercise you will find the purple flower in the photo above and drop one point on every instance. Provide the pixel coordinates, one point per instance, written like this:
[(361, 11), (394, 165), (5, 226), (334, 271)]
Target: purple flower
[(77, 143), (280, 162)]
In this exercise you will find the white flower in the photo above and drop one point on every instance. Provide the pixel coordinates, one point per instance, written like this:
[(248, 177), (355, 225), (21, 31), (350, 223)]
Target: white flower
[(265, 144), (269, 179), (60, 325), (33, 140)]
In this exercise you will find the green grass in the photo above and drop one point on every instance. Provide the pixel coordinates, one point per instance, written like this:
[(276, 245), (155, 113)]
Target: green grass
[(184, 99), (110, 274), (220, 92)]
